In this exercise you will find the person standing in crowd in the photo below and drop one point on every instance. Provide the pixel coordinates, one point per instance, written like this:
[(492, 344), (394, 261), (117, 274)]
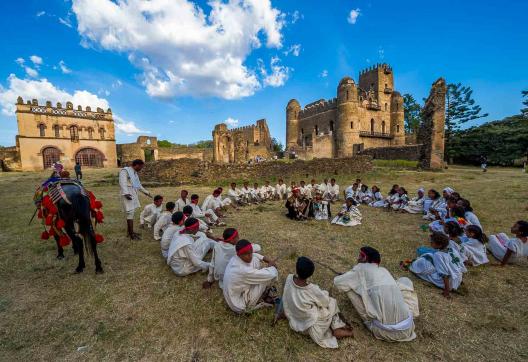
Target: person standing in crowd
[(78, 170)]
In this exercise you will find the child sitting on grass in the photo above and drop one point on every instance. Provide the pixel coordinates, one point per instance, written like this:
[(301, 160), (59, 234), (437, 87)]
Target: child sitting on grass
[(512, 250), (472, 247)]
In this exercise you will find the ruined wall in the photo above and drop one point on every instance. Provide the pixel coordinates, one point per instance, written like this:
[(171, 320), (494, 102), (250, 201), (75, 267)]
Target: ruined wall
[(407, 152), (9, 159), (186, 171), (174, 153)]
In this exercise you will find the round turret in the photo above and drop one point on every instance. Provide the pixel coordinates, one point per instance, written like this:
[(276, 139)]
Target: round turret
[(292, 123), (346, 90)]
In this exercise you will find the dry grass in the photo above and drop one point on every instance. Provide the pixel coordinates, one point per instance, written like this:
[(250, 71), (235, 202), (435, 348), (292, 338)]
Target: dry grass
[(139, 310)]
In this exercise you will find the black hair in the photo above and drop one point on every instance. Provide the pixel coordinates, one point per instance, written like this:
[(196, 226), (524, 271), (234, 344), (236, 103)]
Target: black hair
[(187, 210), (137, 162), (354, 202), (403, 189), (394, 189), (439, 239), (304, 267), (158, 197), (377, 188), (177, 217), (466, 204), (242, 243), (170, 205), (458, 211), (523, 228), (194, 197), (190, 221), (455, 195), (453, 229), (477, 231), (184, 191), (373, 256), (228, 233), (436, 194)]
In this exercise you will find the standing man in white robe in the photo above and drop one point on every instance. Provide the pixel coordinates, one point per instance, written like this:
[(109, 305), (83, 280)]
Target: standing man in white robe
[(182, 201), (151, 212), (164, 220), (246, 283), (377, 298), (280, 190), (188, 249), (311, 310), (129, 185)]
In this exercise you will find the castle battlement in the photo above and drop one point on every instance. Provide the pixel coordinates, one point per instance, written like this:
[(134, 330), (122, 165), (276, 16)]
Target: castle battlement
[(320, 106), (32, 106), (384, 66)]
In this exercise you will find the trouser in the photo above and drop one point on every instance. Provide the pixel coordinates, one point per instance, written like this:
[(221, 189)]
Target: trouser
[(78, 175), (130, 214)]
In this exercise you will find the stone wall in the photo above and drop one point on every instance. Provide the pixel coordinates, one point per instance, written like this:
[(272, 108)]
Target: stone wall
[(174, 153), (407, 152), (9, 160), (188, 171)]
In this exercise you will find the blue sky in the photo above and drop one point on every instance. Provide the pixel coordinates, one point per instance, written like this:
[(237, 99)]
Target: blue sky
[(177, 68)]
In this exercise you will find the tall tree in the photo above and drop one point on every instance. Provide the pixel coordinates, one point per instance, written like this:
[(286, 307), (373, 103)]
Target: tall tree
[(460, 108), (276, 145), (411, 110), (524, 110)]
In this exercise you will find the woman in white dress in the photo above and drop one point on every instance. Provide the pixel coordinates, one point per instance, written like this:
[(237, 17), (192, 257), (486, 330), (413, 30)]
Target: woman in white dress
[(349, 214), (416, 205), (377, 197), (436, 206), (473, 247), (319, 208), (469, 214), (511, 250)]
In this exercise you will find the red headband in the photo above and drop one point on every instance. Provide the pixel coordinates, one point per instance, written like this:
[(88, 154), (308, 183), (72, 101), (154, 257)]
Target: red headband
[(235, 234), (245, 249), (196, 225)]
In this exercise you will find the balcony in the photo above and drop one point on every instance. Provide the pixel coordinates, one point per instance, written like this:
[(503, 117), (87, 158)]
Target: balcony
[(374, 134), (374, 107), (387, 90)]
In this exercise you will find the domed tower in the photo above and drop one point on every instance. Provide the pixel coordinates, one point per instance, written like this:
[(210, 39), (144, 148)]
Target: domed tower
[(292, 123), (397, 119), (347, 122)]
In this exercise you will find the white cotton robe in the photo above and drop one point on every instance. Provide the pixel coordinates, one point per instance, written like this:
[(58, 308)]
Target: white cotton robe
[(222, 253), (150, 215), (443, 263), (167, 237), (126, 184), (186, 253), (500, 243), (244, 283), (474, 251), (351, 216), (181, 203), (163, 222), (379, 301), (415, 206), (280, 191), (311, 310)]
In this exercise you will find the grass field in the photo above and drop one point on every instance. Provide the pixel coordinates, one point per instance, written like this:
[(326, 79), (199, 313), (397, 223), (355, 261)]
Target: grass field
[(139, 310)]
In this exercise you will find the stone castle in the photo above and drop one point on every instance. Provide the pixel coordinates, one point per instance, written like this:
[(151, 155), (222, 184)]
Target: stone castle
[(239, 145), (365, 115), (47, 134)]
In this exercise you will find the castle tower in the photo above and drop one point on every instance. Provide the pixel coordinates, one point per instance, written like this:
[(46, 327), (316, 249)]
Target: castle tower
[(397, 127), (347, 122), (292, 123)]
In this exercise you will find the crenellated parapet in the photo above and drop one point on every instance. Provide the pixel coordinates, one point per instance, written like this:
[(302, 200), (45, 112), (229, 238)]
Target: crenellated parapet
[(32, 106), (320, 106), (386, 68)]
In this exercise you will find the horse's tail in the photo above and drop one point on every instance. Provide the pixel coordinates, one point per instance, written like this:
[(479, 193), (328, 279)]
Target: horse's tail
[(81, 205)]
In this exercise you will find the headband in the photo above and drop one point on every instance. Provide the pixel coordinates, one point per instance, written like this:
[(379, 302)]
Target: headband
[(196, 225), (245, 249), (235, 234)]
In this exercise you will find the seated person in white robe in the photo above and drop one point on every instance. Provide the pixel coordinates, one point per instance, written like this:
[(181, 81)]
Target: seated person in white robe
[(246, 283), (416, 205), (351, 191), (151, 212), (223, 251), (314, 187), (257, 194), (323, 186), (235, 195), (247, 194), (173, 229), (319, 208), (280, 190), (349, 214), (211, 202), (365, 196), (305, 191), (473, 247), (436, 207), (378, 298), (311, 310), (182, 201), (164, 220), (224, 202), (267, 191), (402, 199), (332, 191), (207, 215), (443, 268), (511, 250), (469, 214), (290, 189), (188, 249), (188, 212), (377, 197)]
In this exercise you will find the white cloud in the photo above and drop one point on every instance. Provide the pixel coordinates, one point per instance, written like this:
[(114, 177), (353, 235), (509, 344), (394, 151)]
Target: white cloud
[(180, 49), (296, 16), (43, 90), (231, 122), (117, 84), (126, 127), (294, 50), (40, 13), (20, 61), (66, 21), (279, 73), (64, 68), (36, 60), (381, 53), (33, 73), (354, 14), (324, 73)]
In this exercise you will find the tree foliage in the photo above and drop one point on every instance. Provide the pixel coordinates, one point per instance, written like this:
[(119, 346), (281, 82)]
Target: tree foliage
[(199, 144), (460, 107), (164, 144), (502, 142), (524, 110), (411, 110), (203, 144), (276, 145)]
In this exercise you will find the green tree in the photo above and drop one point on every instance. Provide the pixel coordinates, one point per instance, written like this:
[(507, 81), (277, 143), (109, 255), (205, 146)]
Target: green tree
[(276, 145), (411, 110), (460, 108), (203, 144), (164, 144), (524, 110)]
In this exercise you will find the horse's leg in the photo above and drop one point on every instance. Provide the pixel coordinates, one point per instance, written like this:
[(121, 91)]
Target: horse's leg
[(70, 230), (60, 250)]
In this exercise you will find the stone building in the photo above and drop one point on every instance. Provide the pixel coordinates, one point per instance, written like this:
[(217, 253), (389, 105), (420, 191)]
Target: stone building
[(364, 115), (241, 144), (47, 134)]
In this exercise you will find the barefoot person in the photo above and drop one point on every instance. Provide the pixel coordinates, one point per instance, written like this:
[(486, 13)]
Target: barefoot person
[(310, 309), (130, 185)]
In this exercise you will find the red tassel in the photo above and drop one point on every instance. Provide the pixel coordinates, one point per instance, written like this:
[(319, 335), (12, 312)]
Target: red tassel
[(45, 235), (49, 220), (98, 204), (99, 217), (99, 238), (39, 214), (91, 195), (53, 209), (46, 201), (64, 240), (51, 232), (60, 224)]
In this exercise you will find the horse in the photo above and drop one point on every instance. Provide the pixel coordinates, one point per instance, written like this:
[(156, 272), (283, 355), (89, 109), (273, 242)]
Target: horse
[(78, 213)]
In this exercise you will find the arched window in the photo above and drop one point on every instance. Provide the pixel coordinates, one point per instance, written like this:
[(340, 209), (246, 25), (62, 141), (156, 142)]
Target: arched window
[(386, 106), (382, 126), (56, 129), (102, 133), (372, 125), (397, 128), (352, 125), (90, 133), (347, 95), (42, 130), (397, 107), (50, 155), (74, 133), (90, 157), (331, 126)]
